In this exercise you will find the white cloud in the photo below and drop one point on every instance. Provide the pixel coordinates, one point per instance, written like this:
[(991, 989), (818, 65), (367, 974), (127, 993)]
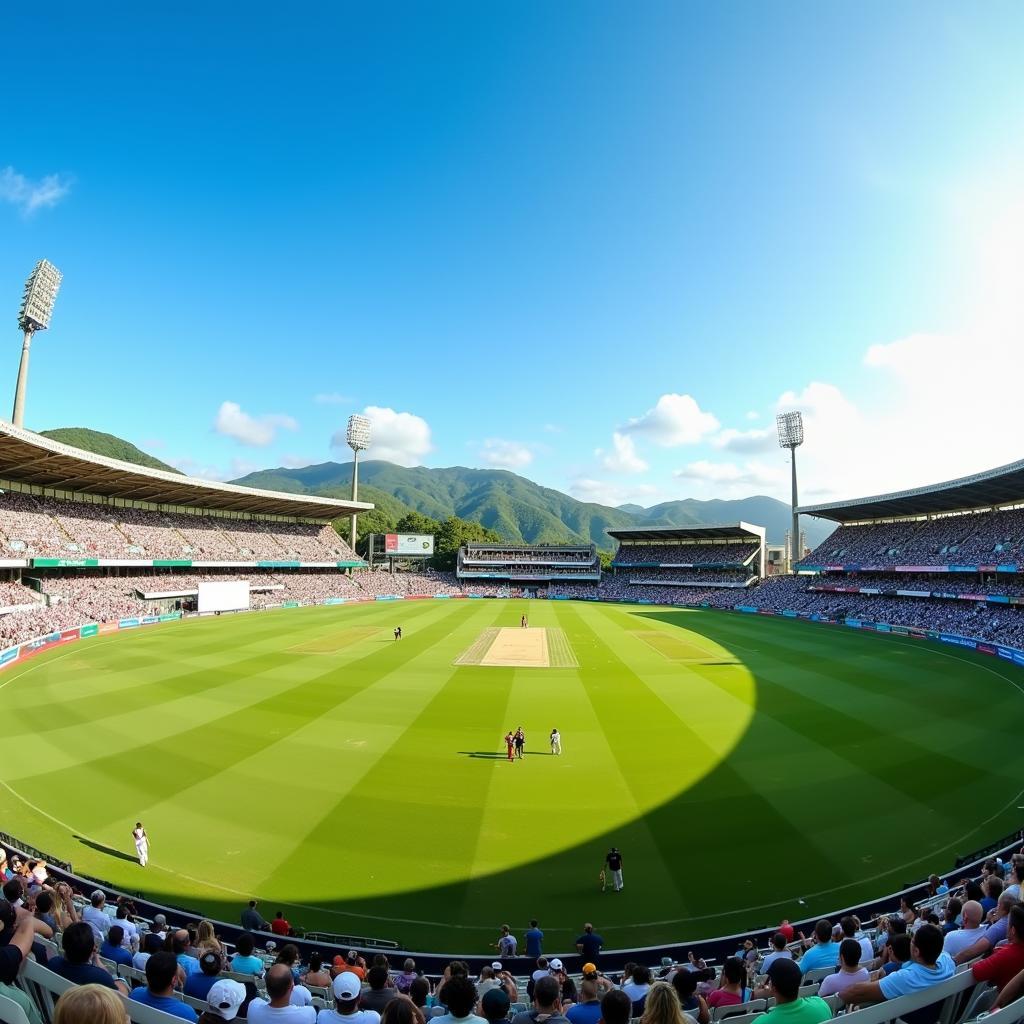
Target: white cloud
[(746, 441), (553, 428), (256, 431), (604, 492), (29, 195), (330, 398), (399, 437), (753, 414), (505, 454), (203, 471), (623, 457), (674, 420), (296, 461), (751, 474)]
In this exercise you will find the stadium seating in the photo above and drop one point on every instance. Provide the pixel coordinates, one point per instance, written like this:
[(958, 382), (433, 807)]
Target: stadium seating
[(684, 554)]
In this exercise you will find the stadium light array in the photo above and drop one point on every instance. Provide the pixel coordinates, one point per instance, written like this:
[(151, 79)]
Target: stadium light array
[(357, 435), (790, 426), (36, 309)]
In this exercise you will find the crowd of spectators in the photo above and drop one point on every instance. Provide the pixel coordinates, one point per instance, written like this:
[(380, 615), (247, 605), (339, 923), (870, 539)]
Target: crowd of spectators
[(36, 526), (108, 951), (536, 553), (684, 554), (982, 538)]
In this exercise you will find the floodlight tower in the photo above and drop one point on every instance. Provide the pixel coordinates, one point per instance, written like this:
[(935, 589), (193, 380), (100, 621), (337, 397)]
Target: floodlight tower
[(791, 435), (358, 437), (36, 309)]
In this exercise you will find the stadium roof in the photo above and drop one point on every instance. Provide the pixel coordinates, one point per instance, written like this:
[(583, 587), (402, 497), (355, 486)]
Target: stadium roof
[(724, 532), (1001, 486), (30, 458)]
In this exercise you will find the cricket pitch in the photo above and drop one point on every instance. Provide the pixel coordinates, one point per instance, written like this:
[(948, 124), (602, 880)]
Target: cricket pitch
[(511, 647)]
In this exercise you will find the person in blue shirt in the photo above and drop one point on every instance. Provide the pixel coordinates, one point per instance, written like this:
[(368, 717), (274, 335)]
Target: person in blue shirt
[(534, 941), (112, 948), (161, 971), (824, 953), (928, 966), (79, 946), (199, 985), (243, 962)]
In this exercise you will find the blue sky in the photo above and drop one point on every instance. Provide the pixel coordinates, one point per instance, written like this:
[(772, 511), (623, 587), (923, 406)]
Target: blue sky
[(599, 244)]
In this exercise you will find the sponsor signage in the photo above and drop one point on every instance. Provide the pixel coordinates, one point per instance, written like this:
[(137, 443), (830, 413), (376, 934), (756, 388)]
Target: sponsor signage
[(89, 629), (171, 562), (278, 565), (127, 623), (409, 544), (334, 600), (9, 655), (291, 604), (1006, 653), (746, 608), (60, 563), (986, 648), (853, 623), (393, 597), (958, 641), (882, 627), (790, 615)]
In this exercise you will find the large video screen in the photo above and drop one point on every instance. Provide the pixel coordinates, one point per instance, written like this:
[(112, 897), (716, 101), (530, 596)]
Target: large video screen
[(409, 543), (224, 597)]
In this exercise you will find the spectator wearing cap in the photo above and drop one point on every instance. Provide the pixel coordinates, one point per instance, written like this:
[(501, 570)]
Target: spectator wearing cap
[(547, 1006), (566, 984), (928, 966), (589, 944), (543, 970), (784, 978), (278, 1006), (161, 973), (78, 962), (380, 992), (494, 1006), (346, 989), (252, 919), (850, 971), (96, 917), (244, 961), (112, 948), (223, 1001), (198, 985)]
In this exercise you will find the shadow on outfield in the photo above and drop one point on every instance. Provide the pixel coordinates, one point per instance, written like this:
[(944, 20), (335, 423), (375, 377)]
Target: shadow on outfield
[(108, 850), (490, 755)]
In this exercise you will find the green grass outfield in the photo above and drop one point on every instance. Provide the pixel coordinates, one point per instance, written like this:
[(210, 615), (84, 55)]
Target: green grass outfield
[(359, 784)]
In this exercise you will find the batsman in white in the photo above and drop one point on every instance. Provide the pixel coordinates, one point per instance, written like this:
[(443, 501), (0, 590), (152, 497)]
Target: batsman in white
[(141, 843)]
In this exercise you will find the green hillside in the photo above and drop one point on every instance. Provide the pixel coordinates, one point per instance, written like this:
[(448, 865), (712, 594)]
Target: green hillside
[(105, 444), (518, 509)]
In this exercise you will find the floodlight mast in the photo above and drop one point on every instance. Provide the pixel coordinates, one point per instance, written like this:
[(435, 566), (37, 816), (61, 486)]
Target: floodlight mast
[(791, 435), (357, 435), (36, 309)]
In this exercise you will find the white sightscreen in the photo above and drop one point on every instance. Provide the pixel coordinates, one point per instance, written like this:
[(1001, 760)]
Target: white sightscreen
[(223, 597)]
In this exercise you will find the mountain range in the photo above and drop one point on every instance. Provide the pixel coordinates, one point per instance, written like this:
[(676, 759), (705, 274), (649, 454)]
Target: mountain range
[(518, 509)]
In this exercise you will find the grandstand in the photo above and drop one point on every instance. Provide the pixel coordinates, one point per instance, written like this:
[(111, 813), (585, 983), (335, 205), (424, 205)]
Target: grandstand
[(89, 539), (529, 570), (664, 565), (943, 559)]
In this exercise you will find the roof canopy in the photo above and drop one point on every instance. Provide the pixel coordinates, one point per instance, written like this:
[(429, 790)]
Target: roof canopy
[(1002, 486), (33, 459), (741, 531)]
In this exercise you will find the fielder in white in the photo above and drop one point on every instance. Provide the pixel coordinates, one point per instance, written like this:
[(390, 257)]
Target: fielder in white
[(141, 843), (556, 741)]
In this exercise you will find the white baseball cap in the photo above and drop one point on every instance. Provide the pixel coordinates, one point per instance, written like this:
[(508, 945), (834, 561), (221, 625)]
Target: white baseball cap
[(347, 986), (496, 965), (225, 997), (555, 965)]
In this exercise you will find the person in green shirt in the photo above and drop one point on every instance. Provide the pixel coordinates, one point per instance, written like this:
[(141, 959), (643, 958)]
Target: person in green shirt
[(784, 983)]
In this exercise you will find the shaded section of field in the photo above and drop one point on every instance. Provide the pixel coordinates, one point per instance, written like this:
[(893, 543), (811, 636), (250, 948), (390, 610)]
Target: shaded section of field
[(337, 640), (674, 648)]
